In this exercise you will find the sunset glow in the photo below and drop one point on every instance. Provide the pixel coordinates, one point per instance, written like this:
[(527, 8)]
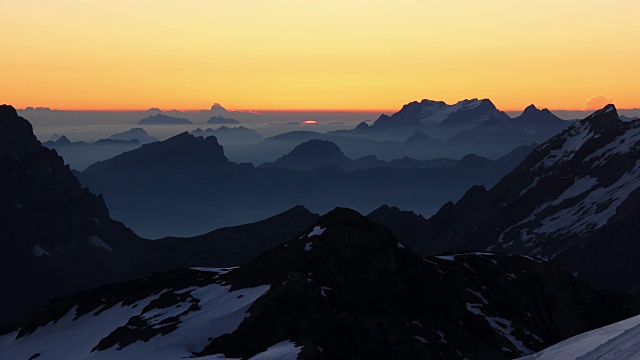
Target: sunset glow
[(311, 54)]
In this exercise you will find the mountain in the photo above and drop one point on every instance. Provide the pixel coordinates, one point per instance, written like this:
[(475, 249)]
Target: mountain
[(219, 120), (344, 288), (178, 152), (316, 153), (134, 134), (532, 118), (80, 154), (234, 245), (312, 154), (435, 118), (161, 119), (55, 236), (572, 199), (230, 135), (185, 186)]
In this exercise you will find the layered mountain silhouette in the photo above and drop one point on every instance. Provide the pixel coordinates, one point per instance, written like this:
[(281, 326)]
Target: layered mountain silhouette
[(80, 154), (316, 153), (344, 288), (161, 119), (422, 130), (220, 120), (185, 185), (135, 134), (230, 135), (573, 199), (57, 237)]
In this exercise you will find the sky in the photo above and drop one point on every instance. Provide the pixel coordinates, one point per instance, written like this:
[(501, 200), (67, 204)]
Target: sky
[(318, 54)]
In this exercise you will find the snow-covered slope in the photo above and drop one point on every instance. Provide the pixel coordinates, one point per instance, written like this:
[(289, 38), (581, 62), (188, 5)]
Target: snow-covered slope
[(617, 341), (344, 288), (574, 199), (164, 323)]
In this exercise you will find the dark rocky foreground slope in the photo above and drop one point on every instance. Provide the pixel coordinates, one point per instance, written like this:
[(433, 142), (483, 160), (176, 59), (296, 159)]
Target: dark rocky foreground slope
[(574, 199), (57, 237), (345, 288)]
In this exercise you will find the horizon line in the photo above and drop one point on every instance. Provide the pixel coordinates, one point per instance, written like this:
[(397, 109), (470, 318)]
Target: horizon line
[(271, 111)]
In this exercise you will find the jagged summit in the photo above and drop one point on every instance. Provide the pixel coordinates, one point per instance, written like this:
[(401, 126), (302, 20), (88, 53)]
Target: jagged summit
[(177, 151), (607, 112), (16, 133), (573, 199)]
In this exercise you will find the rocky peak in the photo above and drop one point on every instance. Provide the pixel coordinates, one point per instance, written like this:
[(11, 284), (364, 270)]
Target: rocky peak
[(178, 151), (16, 133)]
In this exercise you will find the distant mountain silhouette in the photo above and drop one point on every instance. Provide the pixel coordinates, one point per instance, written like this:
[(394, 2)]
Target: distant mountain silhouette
[(80, 154), (312, 154), (316, 153), (134, 134), (230, 135), (161, 119), (180, 151), (219, 120), (185, 185)]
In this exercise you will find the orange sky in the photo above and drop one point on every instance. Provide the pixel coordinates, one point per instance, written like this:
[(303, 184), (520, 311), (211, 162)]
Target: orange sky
[(318, 54)]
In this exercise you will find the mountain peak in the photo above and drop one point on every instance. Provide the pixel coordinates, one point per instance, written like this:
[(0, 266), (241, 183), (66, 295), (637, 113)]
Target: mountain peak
[(531, 108), (16, 133), (312, 154), (217, 106), (607, 112)]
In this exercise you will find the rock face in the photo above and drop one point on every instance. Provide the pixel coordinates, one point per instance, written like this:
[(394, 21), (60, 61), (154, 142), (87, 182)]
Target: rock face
[(574, 199), (178, 152), (344, 288), (55, 236)]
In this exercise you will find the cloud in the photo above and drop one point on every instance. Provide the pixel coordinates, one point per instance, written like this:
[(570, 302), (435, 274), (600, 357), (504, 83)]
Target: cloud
[(597, 102)]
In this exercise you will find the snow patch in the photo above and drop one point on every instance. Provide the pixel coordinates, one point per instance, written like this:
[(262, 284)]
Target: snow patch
[(577, 136), (285, 350), (421, 339), (39, 251), (597, 206), (96, 241), (307, 247), (616, 341), (220, 312), (317, 230)]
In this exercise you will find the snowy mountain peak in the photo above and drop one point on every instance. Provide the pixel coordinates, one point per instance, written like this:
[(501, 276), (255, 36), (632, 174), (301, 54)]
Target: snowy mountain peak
[(572, 199)]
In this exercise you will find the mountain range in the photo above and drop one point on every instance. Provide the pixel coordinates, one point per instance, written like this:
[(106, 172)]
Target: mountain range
[(344, 288), (573, 199), (422, 130), (185, 185), (58, 237)]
